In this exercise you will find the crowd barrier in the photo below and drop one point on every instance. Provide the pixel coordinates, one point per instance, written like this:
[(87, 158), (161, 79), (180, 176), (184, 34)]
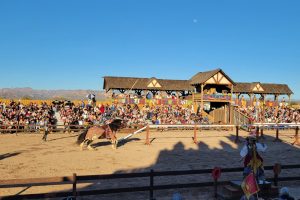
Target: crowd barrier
[(259, 129), (151, 187)]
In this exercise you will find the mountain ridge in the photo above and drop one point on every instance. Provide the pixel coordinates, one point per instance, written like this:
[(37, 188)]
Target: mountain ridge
[(29, 93)]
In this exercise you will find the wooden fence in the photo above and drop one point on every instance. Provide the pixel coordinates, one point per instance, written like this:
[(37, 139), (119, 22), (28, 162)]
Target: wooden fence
[(260, 127), (151, 187)]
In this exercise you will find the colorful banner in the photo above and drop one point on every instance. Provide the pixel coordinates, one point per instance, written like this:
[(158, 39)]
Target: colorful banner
[(249, 185), (153, 101)]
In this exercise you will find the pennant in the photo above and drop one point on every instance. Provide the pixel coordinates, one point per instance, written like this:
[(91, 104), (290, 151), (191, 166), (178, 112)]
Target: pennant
[(249, 185)]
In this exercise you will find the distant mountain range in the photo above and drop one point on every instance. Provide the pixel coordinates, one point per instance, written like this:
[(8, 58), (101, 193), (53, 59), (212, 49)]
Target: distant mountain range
[(29, 93)]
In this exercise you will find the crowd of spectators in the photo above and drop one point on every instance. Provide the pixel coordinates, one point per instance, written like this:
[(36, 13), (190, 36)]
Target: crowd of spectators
[(32, 117), (280, 114), (132, 114)]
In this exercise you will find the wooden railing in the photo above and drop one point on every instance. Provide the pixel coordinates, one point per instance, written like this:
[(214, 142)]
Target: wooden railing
[(212, 97), (151, 187), (240, 118), (58, 128)]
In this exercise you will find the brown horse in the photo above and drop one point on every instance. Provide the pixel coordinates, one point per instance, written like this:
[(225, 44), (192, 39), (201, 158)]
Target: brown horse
[(105, 131)]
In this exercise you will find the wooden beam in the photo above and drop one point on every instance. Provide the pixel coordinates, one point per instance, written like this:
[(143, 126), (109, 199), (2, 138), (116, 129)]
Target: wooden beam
[(230, 114), (225, 113), (264, 105), (251, 98), (202, 86)]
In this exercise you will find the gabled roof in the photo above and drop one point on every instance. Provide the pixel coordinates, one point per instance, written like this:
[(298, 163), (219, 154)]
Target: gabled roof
[(113, 82), (269, 88), (210, 77), (202, 77)]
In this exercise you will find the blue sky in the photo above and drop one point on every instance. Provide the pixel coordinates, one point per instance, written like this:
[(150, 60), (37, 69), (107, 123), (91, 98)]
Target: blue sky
[(71, 44)]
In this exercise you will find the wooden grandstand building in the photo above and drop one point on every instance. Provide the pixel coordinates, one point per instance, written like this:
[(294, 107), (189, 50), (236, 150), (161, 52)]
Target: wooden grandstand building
[(212, 91)]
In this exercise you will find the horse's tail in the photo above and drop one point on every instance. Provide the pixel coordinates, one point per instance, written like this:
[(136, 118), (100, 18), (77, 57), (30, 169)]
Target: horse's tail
[(81, 137)]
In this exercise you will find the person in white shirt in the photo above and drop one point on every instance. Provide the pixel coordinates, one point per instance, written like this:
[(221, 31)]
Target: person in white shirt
[(253, 162)]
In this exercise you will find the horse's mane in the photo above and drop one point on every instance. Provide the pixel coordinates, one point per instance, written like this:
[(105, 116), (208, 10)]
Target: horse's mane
[(115, 124), (117, 121)]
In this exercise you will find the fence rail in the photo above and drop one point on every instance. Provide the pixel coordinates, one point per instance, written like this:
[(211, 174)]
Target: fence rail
[(137, 128), (54, 128), (74, 180)]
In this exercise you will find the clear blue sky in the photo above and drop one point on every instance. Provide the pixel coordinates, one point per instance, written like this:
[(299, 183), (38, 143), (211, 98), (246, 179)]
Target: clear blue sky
[(60, 44)]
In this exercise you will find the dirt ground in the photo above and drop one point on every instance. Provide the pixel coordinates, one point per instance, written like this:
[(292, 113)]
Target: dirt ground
[(27, 156)]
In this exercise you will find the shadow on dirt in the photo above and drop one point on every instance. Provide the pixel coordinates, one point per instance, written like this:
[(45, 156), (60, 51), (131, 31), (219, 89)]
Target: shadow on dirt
[(7, 155)]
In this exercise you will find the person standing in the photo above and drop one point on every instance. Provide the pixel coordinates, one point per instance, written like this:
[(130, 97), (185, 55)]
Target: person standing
[(252, 160), (46, 130)]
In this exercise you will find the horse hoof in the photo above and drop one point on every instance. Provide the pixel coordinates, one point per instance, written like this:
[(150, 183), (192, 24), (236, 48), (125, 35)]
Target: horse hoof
[(91, 148)]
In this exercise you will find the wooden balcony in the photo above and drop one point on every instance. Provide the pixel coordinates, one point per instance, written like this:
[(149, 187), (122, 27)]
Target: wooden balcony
[(212, 97)]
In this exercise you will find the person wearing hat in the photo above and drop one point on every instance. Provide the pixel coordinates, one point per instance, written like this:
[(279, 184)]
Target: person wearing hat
[(46, 129), (252, 160), (284, 194)]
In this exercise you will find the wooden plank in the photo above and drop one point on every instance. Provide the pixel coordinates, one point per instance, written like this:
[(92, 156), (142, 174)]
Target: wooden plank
[(36, 181)]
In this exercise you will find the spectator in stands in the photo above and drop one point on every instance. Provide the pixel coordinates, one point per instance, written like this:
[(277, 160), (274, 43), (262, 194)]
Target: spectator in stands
[(284, 194), (17, 115)]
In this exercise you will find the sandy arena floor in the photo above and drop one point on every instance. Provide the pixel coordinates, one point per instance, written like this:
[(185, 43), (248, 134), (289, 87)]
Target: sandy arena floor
[(26, 156)]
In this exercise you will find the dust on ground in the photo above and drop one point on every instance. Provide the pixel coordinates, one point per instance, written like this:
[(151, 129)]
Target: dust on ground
[(27, 156)]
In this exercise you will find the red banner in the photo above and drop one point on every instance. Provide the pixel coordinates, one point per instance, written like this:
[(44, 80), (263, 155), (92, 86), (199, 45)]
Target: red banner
[(249, 185)]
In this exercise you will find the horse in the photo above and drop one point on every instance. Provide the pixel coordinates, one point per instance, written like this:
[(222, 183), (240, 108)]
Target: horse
[(107, 131)]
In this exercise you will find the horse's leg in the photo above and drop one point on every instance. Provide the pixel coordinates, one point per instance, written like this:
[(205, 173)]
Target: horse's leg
[(114, 141), (82, 144), (89, 145)]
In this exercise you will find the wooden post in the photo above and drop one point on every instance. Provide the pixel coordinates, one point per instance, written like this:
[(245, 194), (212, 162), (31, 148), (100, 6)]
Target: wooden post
[(195, 135), (275, 179), (74, 185), (193, 96), (225, 114), (262, 132), (257, 132), (216, 188), (264, 108), (216, 173), (147, 135), (237, 140), (230, 106), (201, 110), (296, 137), (277, 134), (251, 99), (276, 170), (151, 185)]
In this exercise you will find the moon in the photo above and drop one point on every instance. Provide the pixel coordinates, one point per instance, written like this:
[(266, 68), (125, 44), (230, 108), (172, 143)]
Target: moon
[(195, 20)]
